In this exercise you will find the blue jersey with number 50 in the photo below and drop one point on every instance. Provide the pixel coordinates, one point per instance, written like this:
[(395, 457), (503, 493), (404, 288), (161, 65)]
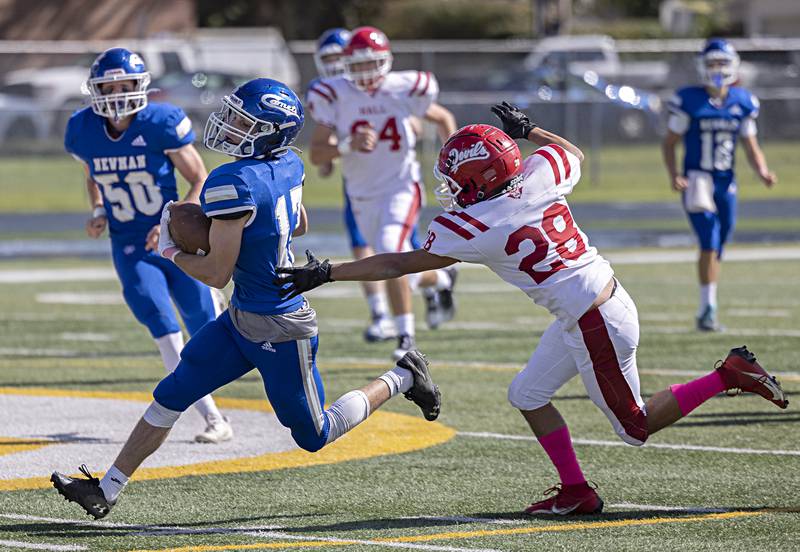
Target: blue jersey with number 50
[(271, 189), (133, 171), (710, 129)]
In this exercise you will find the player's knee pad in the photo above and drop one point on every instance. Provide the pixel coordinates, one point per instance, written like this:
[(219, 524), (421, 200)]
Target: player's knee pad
[(523, 396), (160, 416), (170, 394), (346, 413), (633, 441)]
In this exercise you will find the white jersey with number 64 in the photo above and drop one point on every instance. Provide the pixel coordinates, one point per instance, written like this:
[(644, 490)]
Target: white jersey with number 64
[(340, 105)]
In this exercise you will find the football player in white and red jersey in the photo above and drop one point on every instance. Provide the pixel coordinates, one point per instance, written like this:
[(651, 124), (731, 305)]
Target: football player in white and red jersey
[(366, 118), (512, 215)]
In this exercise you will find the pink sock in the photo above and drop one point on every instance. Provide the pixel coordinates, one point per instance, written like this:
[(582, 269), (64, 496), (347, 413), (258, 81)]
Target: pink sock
[(694, 393), (558, 446)]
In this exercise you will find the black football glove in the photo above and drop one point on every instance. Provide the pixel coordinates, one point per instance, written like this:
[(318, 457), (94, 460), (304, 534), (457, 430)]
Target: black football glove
[(303, 278), (515, 123)]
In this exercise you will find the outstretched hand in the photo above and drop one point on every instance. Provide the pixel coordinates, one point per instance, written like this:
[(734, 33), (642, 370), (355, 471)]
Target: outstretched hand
[(515, 123), (301, 279)]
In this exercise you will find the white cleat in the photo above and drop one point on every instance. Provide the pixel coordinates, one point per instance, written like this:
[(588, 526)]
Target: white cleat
[(217, 431), (380, 329)]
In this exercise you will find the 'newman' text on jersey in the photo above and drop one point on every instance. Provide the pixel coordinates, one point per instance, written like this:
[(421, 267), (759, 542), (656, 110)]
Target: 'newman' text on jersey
[(122, 163)]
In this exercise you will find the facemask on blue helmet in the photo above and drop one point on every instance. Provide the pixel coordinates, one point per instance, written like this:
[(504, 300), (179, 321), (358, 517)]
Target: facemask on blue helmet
[(328, 56), (261, 117), (718, 64), (115, 65)]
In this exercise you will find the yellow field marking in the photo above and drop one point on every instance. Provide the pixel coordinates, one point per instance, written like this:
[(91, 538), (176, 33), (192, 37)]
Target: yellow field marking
[(563, 527), (10, 445), (384, 433)]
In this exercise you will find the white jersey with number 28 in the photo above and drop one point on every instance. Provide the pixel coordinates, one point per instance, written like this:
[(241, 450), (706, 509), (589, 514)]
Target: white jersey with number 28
[(528, 237)]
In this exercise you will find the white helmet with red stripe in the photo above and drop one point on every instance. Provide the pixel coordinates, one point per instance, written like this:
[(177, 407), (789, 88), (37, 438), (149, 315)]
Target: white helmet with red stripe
[(367, 57)]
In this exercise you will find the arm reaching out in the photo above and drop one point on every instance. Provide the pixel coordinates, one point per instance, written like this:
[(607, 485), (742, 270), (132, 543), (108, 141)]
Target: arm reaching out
[(378, 267)]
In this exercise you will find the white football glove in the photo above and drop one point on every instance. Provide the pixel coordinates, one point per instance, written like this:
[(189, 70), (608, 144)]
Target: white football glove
[(166, 245)]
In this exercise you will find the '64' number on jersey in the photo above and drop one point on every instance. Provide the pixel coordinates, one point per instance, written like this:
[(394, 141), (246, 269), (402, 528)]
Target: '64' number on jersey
[(561, 237), (389, 133)]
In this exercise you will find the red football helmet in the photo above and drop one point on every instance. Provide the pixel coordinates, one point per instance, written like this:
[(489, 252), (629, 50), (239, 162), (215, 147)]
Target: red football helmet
[(475, 164), (367, 57)]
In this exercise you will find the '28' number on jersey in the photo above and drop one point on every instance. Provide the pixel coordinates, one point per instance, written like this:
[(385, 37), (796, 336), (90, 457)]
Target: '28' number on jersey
[(560, 237)]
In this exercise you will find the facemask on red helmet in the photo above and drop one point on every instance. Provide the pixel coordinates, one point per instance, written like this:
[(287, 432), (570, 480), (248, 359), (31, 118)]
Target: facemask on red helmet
[(476, 163), (367, 57)]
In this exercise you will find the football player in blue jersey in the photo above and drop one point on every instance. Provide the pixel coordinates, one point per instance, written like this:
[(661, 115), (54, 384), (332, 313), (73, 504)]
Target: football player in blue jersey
[(328, 60), (130, 149), (255, 206), (709, 119)]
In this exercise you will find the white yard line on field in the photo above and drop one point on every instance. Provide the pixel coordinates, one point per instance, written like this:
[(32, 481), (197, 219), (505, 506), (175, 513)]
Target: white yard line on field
[(260, 532), (667, 446), (40, 546), (467, 519), (620, 257)]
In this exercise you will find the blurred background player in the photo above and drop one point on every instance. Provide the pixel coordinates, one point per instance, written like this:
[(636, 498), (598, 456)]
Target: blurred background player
[(328, 60), (367, 120), (709, 119), (130, 149), (255, 203)]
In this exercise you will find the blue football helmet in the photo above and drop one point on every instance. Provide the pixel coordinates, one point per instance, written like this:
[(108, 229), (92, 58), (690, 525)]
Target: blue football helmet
[(330, 46), (262, 117), (718, 63), (117, 64)]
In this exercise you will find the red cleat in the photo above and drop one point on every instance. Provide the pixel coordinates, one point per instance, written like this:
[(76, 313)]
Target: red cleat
[(570, 500), (741, 372)]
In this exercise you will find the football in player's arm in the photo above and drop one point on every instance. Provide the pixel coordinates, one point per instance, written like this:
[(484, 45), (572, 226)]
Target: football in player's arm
[(512, 215), (709, 119)]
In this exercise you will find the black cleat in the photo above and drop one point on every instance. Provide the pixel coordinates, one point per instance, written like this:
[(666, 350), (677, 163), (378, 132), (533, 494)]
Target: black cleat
[(424, 393), (84, 492), (447, 302), (433, 310)]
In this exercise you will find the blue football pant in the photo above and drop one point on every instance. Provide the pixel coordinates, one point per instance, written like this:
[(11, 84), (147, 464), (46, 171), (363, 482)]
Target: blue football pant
[(218, 355), (150, 284), (714, 229)]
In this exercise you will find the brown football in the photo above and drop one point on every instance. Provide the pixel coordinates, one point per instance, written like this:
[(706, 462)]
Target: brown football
[(189, 228)]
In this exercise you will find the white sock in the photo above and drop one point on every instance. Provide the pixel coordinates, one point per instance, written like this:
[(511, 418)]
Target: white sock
[(443, 280), (208, 409), (708, 296), (413, 281), (112, 484), (170, 347), (404, 324), (398, 379), (378, 306), (346, 413)]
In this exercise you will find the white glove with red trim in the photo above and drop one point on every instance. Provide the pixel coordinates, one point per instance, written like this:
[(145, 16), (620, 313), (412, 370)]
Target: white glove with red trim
[(166, 245)]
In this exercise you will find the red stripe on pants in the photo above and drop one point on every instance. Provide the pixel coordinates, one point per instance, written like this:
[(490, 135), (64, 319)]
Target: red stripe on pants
[(411, 219), (612, 382)]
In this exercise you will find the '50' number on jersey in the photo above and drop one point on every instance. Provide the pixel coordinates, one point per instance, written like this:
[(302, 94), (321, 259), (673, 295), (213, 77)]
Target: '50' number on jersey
[(141, 193)]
